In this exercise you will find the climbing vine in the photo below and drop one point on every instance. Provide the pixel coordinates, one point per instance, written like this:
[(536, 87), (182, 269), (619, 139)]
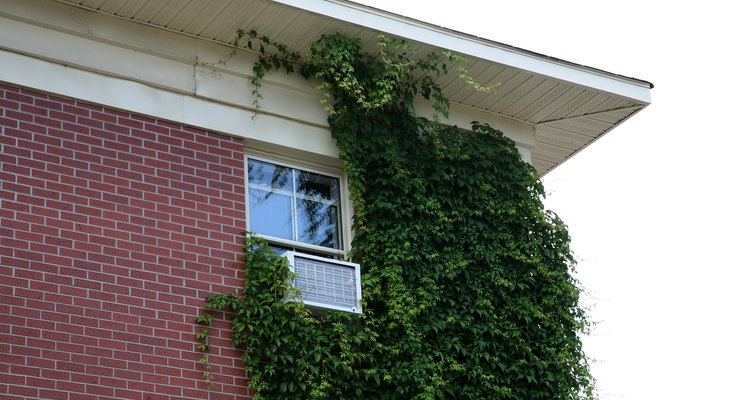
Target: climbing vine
[(466, 278)]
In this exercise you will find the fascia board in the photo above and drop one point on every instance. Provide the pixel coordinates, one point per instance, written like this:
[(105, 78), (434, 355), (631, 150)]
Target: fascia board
[(477, 47)]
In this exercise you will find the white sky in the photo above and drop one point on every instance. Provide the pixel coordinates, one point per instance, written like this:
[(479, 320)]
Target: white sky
[(658, 208)]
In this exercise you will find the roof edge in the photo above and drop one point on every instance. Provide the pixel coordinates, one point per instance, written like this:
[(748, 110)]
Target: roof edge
[(474, 46)]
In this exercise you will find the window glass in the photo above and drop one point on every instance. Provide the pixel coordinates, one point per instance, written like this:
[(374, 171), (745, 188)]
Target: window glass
[(317, 223), (317, 187), (293, 204), (269, 176), (271, 214)]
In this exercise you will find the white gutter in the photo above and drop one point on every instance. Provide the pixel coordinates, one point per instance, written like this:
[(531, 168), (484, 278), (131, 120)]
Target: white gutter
[(476, 47)]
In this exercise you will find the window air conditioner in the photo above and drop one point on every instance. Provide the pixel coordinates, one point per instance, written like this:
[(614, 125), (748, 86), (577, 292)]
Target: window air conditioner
[(325, 283)]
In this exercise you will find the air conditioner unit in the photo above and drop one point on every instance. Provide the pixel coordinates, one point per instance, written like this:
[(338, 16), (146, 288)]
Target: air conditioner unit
[(325, 283)]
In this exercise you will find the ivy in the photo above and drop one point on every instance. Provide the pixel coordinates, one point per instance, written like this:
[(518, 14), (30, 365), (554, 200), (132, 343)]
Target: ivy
[(466, 278)]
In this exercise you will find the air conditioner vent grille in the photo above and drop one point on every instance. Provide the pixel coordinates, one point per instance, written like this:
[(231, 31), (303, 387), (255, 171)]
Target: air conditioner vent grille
[(326, 283)]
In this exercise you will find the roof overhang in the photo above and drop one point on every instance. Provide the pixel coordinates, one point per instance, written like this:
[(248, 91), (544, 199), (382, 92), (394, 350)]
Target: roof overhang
[(568, 105)]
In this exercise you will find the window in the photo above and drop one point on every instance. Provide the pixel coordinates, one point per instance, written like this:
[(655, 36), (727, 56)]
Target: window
[(295, 208), (300, 209)]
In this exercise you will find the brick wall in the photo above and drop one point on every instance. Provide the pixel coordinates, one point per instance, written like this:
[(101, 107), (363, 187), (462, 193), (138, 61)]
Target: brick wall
[(114, 228)]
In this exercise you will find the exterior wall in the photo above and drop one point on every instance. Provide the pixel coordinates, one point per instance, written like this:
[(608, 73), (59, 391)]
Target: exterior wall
[(114, 228)]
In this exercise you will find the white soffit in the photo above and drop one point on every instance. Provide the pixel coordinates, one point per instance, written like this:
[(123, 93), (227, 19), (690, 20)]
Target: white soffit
[(569, 105)]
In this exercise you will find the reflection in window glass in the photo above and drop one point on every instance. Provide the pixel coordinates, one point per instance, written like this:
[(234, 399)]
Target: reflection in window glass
[(269, 176), (317, 223), (289, 203), (316, 186), (271, 214)]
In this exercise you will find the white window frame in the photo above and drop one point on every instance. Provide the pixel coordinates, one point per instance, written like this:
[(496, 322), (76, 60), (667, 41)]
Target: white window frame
[(346, 208)]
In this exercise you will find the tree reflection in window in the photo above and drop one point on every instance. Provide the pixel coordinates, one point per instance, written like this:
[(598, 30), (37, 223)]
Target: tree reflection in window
[(293, 204)]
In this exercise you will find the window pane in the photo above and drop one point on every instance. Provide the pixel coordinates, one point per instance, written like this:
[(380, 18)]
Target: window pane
[(270, 176), (318, 223), (291, 204), (317, 187), (271, 213)]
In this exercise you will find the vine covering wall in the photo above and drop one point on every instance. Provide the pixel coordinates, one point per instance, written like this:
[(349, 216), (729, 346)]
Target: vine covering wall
[(466, 278)]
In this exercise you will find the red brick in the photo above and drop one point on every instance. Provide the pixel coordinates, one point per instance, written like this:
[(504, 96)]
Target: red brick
[(100, 390), (90, 122), (63, 116), (24, 391), (116, 164), (57, 241), (169, 194), (53, 394), (114, 128), (21, 115), (47, 122), (8, 104), (120, 365), (47, 104), (69, 161), (140, 386), (122, 121), (108, 134), (69, 109), (20, 134), (44, 174)]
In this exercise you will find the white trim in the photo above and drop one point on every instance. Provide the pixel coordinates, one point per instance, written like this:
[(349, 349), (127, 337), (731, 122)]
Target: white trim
[(154, 72), (91, 87), (476, 47), (140, 98)]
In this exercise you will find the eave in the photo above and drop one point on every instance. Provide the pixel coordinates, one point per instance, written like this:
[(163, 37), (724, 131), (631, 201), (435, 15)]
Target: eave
[(568, 105)]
